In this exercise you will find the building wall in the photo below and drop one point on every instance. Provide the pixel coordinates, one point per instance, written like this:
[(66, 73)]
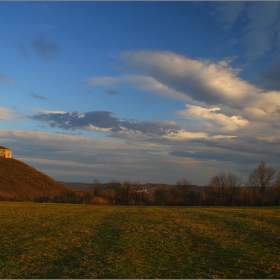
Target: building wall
[(5, 153)]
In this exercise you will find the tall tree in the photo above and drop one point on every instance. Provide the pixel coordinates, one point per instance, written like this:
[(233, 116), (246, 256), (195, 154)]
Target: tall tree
[(225, 186), (183, 187), (232, 183), (262, 177), (160, 192), (218, 184)]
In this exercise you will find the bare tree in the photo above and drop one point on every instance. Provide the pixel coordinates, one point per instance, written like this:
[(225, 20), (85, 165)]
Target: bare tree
[(232, 183), (183, 187), (121, 195), (245, 196), (262, 177), (276, 190), (173, 196), (160, 194), (96, 187), (224, 186), (208, 196), (218, 184)]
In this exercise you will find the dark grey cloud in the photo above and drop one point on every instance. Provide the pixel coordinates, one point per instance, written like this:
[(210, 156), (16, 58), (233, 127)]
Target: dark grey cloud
[(45, 48), (98, 120), (270, 79), (74, 120), (39, 97)]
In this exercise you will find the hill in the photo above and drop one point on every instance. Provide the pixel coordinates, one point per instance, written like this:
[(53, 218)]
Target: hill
[(148, 186), (21, 182)]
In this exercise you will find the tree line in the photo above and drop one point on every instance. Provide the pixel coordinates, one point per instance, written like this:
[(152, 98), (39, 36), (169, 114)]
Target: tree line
[(224, 189)]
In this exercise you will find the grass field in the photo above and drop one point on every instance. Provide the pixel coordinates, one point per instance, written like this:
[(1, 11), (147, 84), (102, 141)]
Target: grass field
[(87, 241)]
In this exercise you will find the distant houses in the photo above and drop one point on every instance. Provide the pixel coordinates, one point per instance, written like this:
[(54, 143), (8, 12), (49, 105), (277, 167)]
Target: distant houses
[(5, 152)]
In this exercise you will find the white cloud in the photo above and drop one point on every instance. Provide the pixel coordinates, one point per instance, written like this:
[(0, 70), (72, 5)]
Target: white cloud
[(6, 114), (180, 77), (221, 121), (203, 81), (100, 129), (207, 83), (184, 135), (213, 91), (44, 111)]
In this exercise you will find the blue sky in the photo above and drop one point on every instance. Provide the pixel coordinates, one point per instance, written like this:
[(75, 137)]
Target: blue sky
[(140, 91)]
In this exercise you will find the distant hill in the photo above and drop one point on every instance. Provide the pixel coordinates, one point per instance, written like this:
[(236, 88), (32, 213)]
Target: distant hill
[(21, 182), (78, 186), (148, 186)]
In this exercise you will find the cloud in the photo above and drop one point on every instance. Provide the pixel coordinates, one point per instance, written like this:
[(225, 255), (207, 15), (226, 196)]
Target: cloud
[(75, 120), (76, 158), (221, 156), (61, 142), (203, 81), (44, 111), (263, 27), (5, 79), (103, 121), (212, 115), (151, 84), (44, 48), (261, 23), (183, 135), (270, 78), (6, 114), (228, 12), (39, 97), (180, 77), (164, 132), (67, 157), (217, 100)]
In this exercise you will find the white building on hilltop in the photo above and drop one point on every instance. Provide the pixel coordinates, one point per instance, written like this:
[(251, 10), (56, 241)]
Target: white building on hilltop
[(5, 152)]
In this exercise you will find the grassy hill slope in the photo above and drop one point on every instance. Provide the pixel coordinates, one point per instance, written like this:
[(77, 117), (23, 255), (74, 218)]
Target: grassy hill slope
[(21, 182)]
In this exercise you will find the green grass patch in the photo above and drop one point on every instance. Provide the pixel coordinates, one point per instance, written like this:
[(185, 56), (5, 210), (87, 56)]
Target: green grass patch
[(89, 241)]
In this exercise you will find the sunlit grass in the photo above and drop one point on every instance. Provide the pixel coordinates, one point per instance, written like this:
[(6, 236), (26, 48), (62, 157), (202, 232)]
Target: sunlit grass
[(88, 241)]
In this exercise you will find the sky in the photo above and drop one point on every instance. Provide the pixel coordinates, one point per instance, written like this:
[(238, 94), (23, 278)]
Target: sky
[(142, 91)]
